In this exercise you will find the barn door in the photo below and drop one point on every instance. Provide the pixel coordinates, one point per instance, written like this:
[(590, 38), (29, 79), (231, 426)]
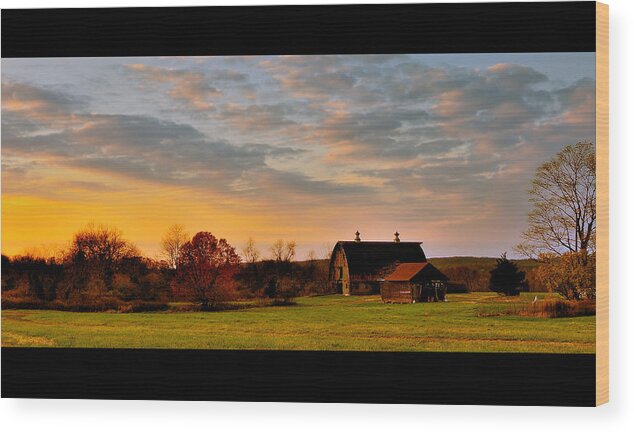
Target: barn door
[(416, 291)]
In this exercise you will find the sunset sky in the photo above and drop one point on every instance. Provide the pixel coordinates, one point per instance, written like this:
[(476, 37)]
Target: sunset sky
[(311, 148)]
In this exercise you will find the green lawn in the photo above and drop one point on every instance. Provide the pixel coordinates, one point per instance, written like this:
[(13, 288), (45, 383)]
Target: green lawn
[(315, 323)]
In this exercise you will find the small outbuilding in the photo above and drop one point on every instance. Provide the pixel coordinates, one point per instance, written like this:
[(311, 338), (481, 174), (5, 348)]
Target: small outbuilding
[(414, 282)]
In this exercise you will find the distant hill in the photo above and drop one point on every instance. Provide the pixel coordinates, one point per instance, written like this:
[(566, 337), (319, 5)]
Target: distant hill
[(480, 263)]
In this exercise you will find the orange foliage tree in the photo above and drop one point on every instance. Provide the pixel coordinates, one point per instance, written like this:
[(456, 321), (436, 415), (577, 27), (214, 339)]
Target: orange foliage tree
[(206, 267)]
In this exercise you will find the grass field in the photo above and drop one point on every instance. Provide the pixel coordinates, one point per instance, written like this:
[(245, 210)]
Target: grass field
[(361, 323)]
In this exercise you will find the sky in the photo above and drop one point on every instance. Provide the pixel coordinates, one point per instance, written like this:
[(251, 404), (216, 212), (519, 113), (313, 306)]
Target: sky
[(440, 147)]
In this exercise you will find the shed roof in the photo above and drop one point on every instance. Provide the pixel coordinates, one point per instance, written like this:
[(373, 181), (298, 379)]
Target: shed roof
[(370, 257), (408, 271), (405, 271)]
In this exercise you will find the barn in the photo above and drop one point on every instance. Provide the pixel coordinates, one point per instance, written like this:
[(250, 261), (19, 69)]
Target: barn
[(360, 267)]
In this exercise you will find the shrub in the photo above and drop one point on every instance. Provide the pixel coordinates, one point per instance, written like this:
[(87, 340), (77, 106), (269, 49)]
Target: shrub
[(142, 306), (573, 275), (559, 308), (154, 286), (185, 307), (457, 288), (124, 288), (22, 303), (547, 308), (94, 306), (534, 282), (270, 290), (283, 290)]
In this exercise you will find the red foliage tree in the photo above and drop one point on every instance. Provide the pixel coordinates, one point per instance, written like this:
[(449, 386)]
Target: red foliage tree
[(205, 270)]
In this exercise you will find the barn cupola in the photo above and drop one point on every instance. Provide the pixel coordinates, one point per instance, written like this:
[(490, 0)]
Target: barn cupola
[(357, 236), (396, 239)]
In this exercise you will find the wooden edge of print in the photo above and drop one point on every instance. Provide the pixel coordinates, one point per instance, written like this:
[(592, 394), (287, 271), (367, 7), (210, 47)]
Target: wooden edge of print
[(603, 268)]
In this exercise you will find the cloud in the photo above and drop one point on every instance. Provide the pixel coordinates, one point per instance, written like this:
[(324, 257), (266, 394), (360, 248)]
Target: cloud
[(391, 109), (229, 75), (578, 103), (255, 117), (491, 110), (36, 102), (311, 77), (155, 151), (447, 141), (26, 108), (190, 88), (444, 150)]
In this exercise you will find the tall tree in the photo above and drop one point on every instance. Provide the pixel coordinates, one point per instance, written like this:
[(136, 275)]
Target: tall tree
[(563, 195), (290, 251), (205, 270), (250, 252), (172, 242), (506, 278), (252, 255), (277, 250), (100, 249), (283, 251)]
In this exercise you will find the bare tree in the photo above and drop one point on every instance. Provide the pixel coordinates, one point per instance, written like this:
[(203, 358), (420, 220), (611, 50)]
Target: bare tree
[(102, 244), (283, 251), (563, 195), (100, 248), (172, 242), (289, 251), (326, 251), (250, 252), (277, 250), (50, 252), (311, 255), (251, 256)]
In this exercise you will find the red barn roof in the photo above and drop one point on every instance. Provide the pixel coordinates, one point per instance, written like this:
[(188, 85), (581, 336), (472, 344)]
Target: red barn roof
[(407, 271)]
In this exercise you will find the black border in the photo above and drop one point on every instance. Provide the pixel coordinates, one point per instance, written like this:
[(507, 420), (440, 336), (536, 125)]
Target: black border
[(344, 29), (302, 376)]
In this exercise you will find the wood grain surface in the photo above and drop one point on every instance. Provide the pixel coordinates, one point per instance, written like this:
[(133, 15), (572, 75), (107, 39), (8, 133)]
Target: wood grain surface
[(603, 246)]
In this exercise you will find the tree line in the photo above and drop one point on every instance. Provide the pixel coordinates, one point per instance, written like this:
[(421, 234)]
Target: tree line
[(101, 270)]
